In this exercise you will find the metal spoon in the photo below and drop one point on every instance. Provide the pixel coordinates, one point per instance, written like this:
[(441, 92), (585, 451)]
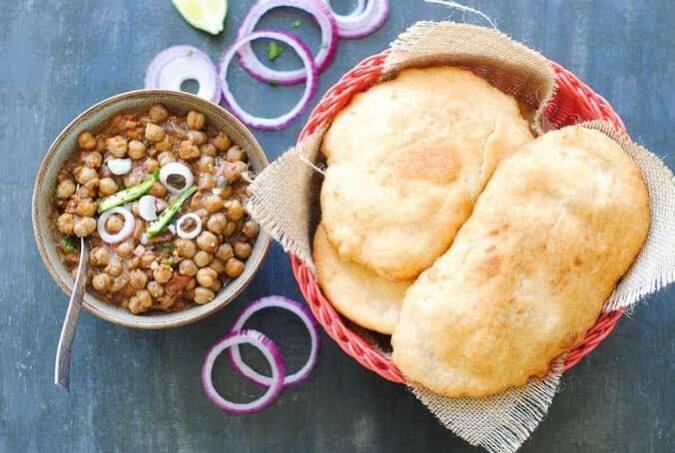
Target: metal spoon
[(64, 349)]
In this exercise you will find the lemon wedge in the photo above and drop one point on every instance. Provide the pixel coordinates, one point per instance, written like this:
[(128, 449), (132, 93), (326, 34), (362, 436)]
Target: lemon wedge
[(207, 15)]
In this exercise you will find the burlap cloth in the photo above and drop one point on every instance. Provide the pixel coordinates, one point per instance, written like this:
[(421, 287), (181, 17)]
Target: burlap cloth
[(285, 202)]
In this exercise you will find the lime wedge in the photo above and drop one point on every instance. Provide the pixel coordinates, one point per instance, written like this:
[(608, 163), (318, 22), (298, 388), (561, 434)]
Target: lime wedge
[(207, 15)]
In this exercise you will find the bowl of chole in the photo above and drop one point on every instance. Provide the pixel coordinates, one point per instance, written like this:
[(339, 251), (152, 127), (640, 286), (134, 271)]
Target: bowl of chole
[(458, 247)]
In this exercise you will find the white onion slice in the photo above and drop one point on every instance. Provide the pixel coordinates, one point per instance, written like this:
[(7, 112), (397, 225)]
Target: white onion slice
[(175, 65), (307, 319), (192, 233), (119, 166), (176, 168), (310, 87), (364, 22), (271, 354), (125, 232), (329, 34), (147, 207)]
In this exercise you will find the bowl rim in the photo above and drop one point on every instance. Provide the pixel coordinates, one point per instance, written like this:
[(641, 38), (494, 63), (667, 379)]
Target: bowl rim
[(140, 322)]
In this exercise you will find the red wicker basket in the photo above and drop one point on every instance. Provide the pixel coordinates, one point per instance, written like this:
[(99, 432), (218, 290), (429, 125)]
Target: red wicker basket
[(573, 102)]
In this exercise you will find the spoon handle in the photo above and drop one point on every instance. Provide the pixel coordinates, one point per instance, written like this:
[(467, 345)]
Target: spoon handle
[(65, 346)]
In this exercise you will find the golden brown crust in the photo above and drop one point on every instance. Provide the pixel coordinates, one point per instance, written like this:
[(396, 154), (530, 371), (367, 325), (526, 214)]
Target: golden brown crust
[(407, 160), (356, 292), (558, 224)]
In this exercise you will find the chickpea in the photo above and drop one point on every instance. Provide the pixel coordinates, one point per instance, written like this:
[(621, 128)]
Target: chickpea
[(235, 153), (225, 252), (125, 249), (188, 151), (154, 133), (65, 189), (207, 241), (216, 285), (84, 226), (234, 268), (141, 302), (208, 149), (212, 203), (86, 208), (162, 273), (84, 174), (206, 277), (144, 298), (114, 267), (65, 223), (114, 224), (147, 259), (134, 178), (107, 186), (102, 282), (230, 228), (151, 165), (99, 256), (158, 190), (139, 227), (119, 283), (205, 163), (185, 248), (117, 146), (222, 142), (166, 144), (203, 259), (136, 149), (242, 250), (196, 120), (250, 229), (203, 295), (92, 159), (197, 137), (207, 181), (165, 158), (137, 279), (155, 289), (134, 306), (235, 210), (187, 267), (86, 141), (216, 223), (88, 190), (218, 265), (158, 113)]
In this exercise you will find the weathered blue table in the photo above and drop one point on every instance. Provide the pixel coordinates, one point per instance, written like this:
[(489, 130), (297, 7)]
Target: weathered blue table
[(140, 391)]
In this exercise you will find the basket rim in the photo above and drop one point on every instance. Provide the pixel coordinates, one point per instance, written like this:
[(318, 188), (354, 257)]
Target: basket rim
[(359, 78)]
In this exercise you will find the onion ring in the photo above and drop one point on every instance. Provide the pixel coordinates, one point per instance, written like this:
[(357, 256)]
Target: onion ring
[(173, 66), (176, 168), (329, 34), (125, 232), (310, 87), (307, 319), (362, 23), (189, 234), (271, 354)]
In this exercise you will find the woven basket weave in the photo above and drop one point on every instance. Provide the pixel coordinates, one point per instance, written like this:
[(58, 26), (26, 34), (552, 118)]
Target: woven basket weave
[(572, 103)]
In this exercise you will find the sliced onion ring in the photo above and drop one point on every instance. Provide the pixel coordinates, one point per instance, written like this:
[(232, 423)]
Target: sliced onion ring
[(358, 8), (310, 87), (192, 233), (176, 168), (301, 312), (329, 34), (175, 65), (125, 232), (147, 207), (271, 354), (363, 23)]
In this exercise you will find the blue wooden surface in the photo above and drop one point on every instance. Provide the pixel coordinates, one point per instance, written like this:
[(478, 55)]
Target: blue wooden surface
[(139, 391)]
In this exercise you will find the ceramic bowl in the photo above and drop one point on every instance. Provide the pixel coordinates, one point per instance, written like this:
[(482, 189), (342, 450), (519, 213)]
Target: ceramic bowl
[(64, 145)]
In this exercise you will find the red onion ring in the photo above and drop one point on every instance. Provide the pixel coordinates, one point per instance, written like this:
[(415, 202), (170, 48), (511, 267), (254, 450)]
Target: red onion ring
[(362, 23), (173, 66), (358, 8), (329, 40), (307, 319), (125, 232), (284, 120), (271, 354)]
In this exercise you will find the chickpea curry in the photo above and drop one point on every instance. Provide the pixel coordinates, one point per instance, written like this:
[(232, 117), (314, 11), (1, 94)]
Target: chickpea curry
[(160, 197)]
